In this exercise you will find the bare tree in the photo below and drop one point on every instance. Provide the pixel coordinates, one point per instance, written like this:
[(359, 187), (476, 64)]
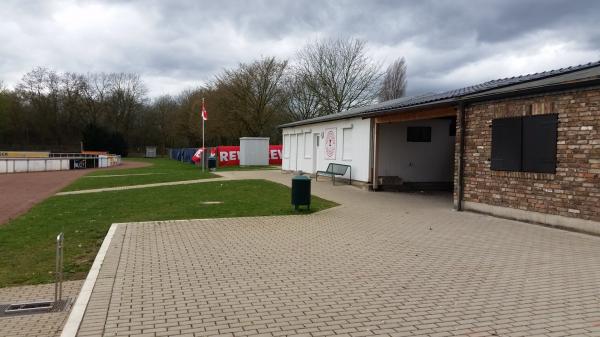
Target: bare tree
[(188, 116), (126, 97), (164, 109), (72, 100), (95, 94), (39, 92), (254, 95), (303, 103), (8, 127), (339, 73), (394, 81)]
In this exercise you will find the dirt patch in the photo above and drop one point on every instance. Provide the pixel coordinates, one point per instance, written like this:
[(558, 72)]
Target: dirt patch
[(21, 191)]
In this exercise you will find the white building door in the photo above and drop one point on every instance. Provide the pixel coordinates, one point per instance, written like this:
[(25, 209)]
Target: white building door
[(315, 151), (300, 152), (294, 152)]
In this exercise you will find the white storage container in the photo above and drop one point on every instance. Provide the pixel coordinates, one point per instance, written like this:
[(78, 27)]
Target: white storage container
[(254, 151), (150, 151)]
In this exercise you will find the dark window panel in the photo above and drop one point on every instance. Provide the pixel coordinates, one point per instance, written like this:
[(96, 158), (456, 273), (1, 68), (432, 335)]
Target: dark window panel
[(506, 144), (539, 143), (418, 134)]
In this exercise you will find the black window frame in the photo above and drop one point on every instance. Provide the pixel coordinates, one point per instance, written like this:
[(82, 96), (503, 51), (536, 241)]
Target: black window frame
[(525, 144)]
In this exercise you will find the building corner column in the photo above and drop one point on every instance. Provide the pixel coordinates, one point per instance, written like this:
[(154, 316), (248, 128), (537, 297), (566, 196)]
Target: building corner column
[(374, 155), (459, 189)]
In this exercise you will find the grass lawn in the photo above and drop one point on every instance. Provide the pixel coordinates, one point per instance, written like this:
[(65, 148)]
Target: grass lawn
[(27, 242), (162, 170)]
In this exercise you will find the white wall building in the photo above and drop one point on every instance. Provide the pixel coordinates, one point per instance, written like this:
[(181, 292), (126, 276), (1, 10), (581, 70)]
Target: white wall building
[(311, 147), (350, 142), (384, 147), (490, 143)]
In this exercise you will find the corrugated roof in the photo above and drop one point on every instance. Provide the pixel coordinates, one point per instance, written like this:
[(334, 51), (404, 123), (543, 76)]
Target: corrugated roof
[(447, 96)]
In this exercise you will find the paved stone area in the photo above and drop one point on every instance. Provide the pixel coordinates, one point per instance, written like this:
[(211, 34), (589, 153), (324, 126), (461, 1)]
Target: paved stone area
[(43, 325), (387, 264)]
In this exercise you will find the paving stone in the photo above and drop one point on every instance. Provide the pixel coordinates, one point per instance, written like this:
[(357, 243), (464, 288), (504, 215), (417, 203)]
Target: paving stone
[(46, 324), (395, 264)]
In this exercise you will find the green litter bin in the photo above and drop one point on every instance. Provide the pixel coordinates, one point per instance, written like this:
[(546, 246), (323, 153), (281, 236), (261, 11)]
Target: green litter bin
[(301, 191), (212, 163)]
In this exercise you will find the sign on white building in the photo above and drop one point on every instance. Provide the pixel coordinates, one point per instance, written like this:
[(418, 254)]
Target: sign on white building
[(330, 143)]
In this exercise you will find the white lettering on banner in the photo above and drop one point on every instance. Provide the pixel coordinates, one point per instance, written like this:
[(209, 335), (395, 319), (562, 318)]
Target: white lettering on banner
[(230, 155)]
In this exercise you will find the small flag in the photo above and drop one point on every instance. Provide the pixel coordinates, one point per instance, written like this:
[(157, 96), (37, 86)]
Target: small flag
[(197, 156), (204, 113)]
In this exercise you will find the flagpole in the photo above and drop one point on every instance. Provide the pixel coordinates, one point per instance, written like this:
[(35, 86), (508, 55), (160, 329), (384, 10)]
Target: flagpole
[(203, 149)]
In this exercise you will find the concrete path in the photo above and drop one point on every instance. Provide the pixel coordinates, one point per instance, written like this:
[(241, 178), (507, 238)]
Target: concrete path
[(386, 264), (133, 187), (231, 175)]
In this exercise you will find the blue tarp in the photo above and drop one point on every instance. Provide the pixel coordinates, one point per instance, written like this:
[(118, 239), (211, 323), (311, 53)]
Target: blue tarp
[(182, 154)]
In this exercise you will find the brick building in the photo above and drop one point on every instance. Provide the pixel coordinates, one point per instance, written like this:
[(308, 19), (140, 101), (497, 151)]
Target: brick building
[(525, 147)]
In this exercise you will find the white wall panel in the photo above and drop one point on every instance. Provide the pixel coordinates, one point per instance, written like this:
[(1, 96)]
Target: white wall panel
[(359, 147)]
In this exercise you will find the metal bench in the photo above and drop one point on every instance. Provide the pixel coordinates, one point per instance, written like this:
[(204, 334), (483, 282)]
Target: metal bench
[(333, 170)]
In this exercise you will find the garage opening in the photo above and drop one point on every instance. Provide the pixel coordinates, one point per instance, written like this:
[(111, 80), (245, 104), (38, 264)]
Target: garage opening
[(416, 155)]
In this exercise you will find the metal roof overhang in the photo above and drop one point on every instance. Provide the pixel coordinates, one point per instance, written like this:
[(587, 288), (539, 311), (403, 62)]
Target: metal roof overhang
[(532, 90), (568, 81), (413, 108)]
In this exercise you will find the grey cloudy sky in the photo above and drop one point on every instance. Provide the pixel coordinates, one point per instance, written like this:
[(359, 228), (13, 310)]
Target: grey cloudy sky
[(179, 44)]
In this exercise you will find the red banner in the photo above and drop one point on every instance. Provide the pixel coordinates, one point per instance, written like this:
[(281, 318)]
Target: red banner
[(230, 155), (275, 154)]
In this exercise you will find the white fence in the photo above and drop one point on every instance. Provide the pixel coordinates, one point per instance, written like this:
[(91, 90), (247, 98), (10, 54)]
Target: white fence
[(60, 162)]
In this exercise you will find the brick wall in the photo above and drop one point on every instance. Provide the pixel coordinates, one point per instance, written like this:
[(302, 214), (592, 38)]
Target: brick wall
[(574, 191)]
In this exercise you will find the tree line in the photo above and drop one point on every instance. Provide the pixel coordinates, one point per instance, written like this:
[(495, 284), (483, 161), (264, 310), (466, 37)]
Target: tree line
[(112, 111)]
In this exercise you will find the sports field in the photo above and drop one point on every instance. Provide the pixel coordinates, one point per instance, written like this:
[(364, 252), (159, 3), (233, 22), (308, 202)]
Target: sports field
[(27, 242)]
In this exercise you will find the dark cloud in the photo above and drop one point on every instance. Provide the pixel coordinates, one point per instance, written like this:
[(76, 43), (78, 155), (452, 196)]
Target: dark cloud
[(176, 44)]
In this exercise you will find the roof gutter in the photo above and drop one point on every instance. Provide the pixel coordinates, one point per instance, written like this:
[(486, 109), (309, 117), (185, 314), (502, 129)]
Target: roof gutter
[(312, 121), (487, 97), (593, 82)]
